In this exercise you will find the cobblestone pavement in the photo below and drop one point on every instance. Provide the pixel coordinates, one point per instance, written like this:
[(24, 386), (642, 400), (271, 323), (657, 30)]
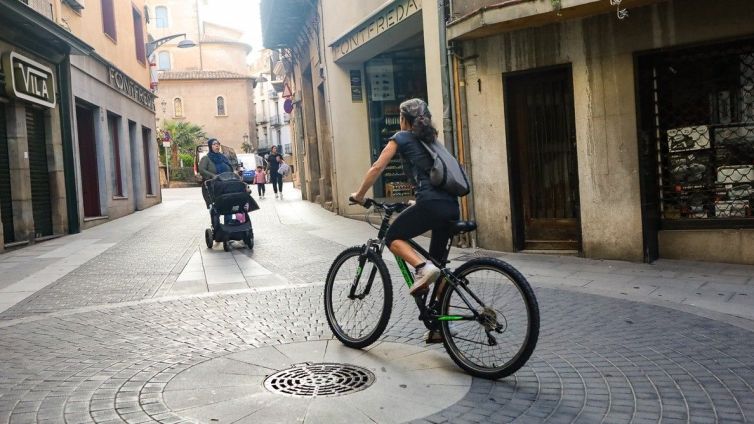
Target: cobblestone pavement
[(102, 343)]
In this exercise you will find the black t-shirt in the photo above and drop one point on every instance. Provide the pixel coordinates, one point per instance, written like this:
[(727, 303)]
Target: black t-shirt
[(273, 163), (416, 165)]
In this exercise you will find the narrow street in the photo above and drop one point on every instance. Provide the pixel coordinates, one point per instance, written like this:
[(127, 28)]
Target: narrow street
[(137, 321)]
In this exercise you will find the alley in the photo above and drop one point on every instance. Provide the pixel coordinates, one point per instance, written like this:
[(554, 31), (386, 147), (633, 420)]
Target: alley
[(137, 321)]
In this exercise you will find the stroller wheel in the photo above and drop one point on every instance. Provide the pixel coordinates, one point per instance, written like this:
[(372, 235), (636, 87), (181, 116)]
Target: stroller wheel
[(248, 239), (226, 246), (208, 238)]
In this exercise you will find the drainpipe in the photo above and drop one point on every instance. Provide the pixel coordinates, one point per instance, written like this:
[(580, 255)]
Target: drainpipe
[(462, 136), (447, 104), (69, 164)]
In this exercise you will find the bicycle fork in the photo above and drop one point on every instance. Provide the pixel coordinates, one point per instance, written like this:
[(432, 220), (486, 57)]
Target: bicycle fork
[(359, 271)]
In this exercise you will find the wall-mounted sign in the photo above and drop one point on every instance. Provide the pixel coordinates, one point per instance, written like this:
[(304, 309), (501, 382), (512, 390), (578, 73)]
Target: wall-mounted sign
[(381, 79), (130, 88), (29, 80), (377, 24), (357, 93)]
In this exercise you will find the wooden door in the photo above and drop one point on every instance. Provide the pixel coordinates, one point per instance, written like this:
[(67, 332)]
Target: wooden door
[(88, 158), (544, 170)]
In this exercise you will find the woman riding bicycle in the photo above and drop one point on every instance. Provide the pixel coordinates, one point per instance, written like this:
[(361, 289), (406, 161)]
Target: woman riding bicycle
[(434, 207)]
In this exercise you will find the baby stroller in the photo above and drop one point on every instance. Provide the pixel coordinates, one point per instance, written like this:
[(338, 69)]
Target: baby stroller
[(230, 199)]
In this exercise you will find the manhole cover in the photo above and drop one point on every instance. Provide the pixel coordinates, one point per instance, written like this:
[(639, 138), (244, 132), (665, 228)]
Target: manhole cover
[(326, 379)]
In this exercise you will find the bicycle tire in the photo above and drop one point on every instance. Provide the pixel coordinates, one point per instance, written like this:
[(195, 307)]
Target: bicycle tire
[(340, 329), (452, 339)]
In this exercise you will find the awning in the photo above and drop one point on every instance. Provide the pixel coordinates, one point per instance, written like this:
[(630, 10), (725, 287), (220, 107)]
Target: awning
[(25, 27), (283, 21)]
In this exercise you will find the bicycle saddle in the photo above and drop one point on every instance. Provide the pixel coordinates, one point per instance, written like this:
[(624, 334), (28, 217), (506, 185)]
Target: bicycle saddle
[(460, 227)]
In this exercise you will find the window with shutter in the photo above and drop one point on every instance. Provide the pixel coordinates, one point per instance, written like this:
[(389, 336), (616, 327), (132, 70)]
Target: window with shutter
[(139, 37), (108, 19)]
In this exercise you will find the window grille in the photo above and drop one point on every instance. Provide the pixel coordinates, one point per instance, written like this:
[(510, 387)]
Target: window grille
[(221, 106), (698, 112), (178, 107)]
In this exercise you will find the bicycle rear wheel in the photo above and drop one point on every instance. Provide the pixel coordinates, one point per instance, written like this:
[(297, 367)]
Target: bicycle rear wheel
[(358, 320), (503, 339)]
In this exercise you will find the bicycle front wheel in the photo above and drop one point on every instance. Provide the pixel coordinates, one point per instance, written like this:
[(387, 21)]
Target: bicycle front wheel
[(358, 297), (503, 338)]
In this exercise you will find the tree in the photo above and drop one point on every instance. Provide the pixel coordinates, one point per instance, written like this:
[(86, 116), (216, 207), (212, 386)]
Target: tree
[(184, 136), (247, 147)]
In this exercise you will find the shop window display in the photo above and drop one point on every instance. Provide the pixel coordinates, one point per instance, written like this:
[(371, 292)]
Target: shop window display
[(391, 79), (702, 122)]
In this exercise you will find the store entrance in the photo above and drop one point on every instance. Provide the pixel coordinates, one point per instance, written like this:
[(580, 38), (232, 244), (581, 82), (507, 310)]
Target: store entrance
[(88, 157), (544, 172), (390, 79)]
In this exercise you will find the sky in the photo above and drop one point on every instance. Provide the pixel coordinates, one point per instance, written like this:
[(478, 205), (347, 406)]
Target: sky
[(241, 14)]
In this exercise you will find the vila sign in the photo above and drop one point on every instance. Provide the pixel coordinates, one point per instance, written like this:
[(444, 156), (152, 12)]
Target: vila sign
[(130, 88), (29, 80), (374, 26)]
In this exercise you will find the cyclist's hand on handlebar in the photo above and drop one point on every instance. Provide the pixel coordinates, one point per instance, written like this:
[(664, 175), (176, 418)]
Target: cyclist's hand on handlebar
[(354, 198)]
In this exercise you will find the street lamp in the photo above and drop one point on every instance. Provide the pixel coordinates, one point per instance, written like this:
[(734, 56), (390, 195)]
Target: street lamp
[(183, 44)]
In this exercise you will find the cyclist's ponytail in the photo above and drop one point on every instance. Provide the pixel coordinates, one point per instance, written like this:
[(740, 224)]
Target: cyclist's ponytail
[(416, 113)]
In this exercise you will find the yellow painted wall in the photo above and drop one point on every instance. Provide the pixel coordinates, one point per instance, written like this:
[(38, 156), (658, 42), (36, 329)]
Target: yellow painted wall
[(87, 24), (199, 97)]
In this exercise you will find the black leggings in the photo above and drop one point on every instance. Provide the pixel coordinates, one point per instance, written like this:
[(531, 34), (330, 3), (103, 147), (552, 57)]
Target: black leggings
[(260, 188), (428, 215), (277, 181)]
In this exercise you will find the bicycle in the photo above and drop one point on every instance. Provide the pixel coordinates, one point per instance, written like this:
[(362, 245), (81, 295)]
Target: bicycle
[(502, 336)]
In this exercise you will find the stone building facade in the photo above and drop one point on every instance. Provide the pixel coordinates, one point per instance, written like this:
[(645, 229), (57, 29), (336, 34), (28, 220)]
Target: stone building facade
[(209, 85), (619, 137), (51, 181)]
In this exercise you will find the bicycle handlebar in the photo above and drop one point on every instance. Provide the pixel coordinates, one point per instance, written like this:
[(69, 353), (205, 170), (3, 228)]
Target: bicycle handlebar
[(368, 203)]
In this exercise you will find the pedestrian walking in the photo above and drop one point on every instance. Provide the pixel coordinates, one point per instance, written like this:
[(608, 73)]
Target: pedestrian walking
[(260, 179), (274, 160)]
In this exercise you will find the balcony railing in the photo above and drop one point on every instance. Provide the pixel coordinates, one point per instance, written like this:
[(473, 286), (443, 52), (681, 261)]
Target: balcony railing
[(43, 7), (275, 120)]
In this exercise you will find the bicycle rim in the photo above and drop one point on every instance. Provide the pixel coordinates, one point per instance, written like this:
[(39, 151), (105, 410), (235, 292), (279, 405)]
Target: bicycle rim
[(357, 322), (510, 303)]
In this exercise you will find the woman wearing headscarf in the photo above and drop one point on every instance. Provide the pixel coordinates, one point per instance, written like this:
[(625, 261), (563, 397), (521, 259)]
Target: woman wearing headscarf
[(213, 164)]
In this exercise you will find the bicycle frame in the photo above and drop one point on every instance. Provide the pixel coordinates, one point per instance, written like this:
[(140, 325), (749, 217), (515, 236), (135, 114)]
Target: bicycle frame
[(427, 312)]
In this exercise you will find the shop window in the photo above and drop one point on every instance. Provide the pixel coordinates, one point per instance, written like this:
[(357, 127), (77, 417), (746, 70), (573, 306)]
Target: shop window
[(161, 16), (221, 106), (392, 78), (163, 61), (108, 19), (113, 124), (139, 37), (178, 107), (697, 127)]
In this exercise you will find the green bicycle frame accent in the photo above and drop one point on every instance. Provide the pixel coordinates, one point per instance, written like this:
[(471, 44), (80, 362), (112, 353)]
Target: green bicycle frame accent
[(452, 318), (404, 270)]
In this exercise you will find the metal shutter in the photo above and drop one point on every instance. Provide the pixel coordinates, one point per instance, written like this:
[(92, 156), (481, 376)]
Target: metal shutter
[(40, 175), (6, 200)]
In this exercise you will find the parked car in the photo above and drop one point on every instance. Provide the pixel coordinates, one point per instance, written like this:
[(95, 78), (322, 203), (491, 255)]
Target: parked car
[(248, 163), (202, 150)]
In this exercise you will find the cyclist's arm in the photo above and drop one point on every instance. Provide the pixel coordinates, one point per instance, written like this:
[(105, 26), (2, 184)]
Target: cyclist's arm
[(379, 165)]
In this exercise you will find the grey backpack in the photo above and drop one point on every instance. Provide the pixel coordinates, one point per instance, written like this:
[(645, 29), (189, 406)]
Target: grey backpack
[(446, 173)]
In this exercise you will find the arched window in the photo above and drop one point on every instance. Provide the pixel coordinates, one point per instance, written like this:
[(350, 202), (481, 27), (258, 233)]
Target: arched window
[(163, 61), (220, 106), (178, 107), (161, 16)]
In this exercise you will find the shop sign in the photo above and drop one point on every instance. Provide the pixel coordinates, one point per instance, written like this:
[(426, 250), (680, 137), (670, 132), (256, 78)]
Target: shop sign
[(356, 90), (376, 25), (29, 80), (121, 82)]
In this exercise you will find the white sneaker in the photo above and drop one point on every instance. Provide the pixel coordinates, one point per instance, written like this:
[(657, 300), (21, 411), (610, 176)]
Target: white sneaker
[(425, 276), (281, 195), (276, 195)]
